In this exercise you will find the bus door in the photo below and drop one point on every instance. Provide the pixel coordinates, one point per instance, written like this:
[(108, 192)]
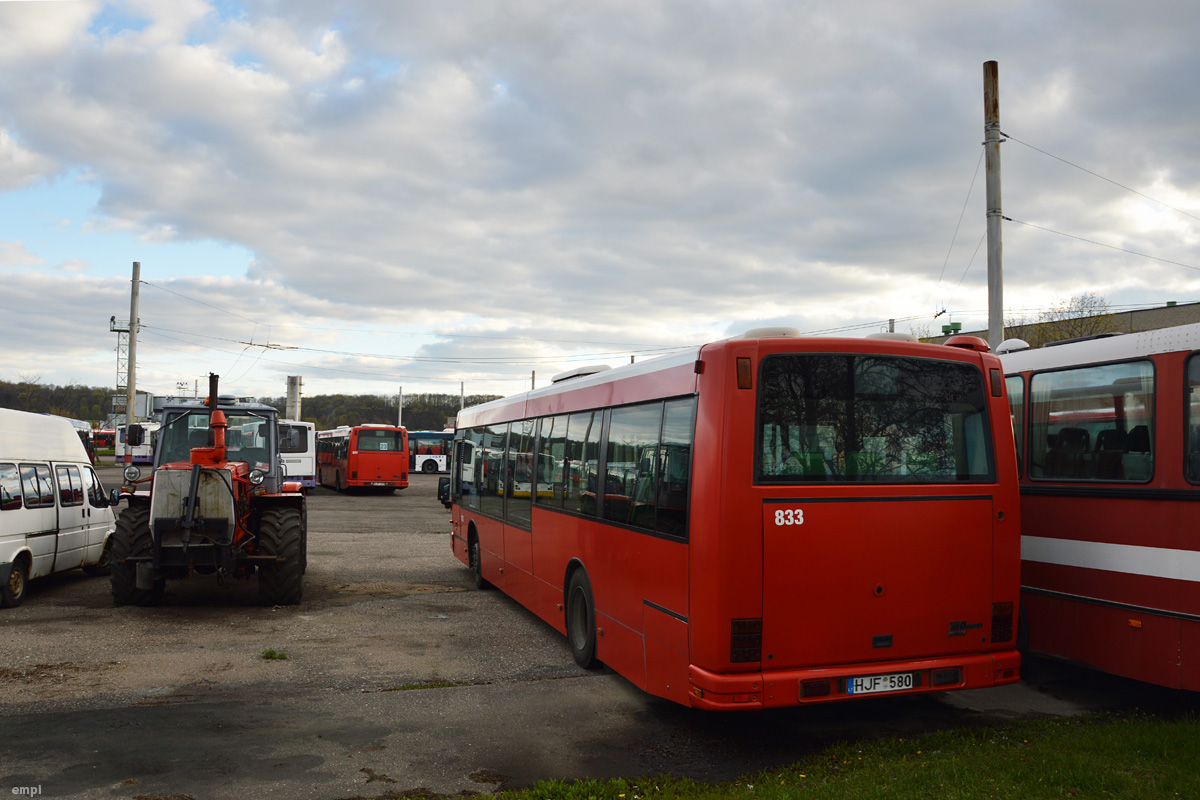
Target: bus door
[(871, 578)]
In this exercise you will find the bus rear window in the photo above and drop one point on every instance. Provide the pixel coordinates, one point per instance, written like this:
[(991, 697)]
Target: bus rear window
[(390, 441), (870, 418)]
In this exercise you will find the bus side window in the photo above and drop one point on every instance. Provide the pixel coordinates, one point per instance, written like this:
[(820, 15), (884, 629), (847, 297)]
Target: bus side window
[(10, 487)]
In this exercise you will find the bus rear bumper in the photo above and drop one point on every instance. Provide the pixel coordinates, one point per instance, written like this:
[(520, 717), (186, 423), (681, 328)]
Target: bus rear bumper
[(715, 691)]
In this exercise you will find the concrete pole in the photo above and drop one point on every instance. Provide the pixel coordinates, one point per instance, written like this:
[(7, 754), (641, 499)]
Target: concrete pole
[(995, 249), (400, 408), (131, 389)]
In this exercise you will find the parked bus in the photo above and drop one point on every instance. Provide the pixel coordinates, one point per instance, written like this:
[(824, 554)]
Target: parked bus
[(430, 451), (1109, 444), (363, 456), (298, 447), (104, 439), (54, 515), (142, 453), (766, 521)]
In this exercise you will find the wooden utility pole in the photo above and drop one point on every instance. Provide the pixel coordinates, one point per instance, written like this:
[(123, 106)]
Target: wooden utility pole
[(995, 249)]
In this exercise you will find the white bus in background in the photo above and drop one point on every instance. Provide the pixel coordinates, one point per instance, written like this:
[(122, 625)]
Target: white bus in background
[(298, 448), (142, 453), (429, 451), (54, 515)]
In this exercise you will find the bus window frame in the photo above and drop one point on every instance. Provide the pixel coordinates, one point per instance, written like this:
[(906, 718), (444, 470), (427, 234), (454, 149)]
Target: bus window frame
[(1153, 409)]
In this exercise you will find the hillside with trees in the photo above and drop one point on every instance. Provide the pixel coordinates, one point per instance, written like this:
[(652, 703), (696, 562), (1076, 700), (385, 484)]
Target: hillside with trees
[(421, 411)]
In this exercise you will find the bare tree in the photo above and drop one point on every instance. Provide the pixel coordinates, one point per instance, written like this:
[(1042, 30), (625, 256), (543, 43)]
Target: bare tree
[(1085, 314)]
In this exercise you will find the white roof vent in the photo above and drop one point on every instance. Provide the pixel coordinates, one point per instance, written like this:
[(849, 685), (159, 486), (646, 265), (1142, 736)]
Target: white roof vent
[(1012, 346), (579, 372), (893, 336), (771, 333)]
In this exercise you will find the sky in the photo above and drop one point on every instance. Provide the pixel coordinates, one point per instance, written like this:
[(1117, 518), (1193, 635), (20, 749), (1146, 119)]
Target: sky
[(387, 195)]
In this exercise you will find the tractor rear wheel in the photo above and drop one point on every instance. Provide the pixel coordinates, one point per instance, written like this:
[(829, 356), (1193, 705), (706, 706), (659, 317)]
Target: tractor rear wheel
[(132, 539), (280, 534)]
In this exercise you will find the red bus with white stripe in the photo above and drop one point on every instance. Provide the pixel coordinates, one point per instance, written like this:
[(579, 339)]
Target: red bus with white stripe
[(1109, 444), (363, 457), (766, 521)]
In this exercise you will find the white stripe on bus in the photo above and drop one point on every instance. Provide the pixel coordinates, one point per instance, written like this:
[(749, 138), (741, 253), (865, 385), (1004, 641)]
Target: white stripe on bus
[(1155, 562)]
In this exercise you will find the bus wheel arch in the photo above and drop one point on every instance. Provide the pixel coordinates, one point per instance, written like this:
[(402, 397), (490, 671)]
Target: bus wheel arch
[(475, 559), (580, 612), (15, 582)]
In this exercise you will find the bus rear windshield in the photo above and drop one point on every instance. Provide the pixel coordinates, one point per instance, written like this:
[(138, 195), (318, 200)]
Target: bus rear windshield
[(381, 440), (870, 418)]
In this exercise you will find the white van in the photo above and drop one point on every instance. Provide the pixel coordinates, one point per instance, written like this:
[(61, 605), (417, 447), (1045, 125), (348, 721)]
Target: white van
[(54, 515)]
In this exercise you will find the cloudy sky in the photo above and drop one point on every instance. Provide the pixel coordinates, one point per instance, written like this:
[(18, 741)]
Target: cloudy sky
[(379, 193)]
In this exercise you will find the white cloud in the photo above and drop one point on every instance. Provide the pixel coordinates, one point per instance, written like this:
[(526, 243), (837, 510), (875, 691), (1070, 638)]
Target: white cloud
[(16, 254), (651, 173)]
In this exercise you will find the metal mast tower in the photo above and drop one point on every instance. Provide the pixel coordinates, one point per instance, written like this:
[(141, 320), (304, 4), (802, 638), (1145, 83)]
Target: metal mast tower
[(121, 328)]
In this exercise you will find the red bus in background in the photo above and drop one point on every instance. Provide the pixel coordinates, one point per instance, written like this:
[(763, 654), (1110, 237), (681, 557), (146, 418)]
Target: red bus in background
[(104, 439), (363, 456), (1109, 444), (759, 522)]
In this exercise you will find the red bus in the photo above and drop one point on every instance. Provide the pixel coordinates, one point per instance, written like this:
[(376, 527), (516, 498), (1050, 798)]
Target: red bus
[(1109, 444), (759, 522), (363, 456)]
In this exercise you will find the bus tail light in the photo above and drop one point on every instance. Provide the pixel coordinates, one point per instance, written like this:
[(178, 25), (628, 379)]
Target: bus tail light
[(745, 640), (1002, 622), (744, 374)]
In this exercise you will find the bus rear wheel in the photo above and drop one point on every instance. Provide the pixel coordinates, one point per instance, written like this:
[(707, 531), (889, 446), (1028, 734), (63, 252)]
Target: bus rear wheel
[(429, 467), (476, 558), (581, 620)]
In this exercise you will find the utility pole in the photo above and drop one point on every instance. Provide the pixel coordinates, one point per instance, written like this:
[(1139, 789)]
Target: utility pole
[(131, 391), (400, 408), (995, 249), (532, 380)]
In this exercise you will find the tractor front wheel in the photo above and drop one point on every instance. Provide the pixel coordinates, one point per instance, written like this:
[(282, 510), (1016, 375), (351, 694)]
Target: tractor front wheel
[(281, 534), (132, 539)]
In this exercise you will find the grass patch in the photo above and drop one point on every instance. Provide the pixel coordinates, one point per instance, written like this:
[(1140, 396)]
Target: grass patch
[(409, 687), (271, 654), (1101, 756)]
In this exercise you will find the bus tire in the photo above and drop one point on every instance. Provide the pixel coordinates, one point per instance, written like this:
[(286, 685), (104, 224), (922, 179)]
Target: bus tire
[(581, 620), (280, 535), (429, 466), (132, 538), (104, 565), (12, 591), (476, 558)]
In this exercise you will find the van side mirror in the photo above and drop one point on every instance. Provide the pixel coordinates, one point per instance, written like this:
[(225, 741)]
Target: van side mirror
[(115, 497), (444, 491)]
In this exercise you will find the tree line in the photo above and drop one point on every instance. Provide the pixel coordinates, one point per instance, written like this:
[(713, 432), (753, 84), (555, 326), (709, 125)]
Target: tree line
[(92, 404)]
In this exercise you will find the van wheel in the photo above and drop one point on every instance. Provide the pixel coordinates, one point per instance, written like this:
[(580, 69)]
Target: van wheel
[(104, 565), (12, 591), (131, 540), (280, 535), (581, 620)]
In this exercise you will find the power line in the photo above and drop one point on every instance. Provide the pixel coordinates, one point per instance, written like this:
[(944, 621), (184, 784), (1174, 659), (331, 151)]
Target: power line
[(1109, 180), (1102, 244)]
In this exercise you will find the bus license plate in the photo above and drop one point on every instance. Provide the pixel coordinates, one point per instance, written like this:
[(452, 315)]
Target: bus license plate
[(873, 684)]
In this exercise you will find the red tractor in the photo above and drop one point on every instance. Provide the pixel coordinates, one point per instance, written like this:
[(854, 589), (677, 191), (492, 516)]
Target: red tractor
[(217, 504)]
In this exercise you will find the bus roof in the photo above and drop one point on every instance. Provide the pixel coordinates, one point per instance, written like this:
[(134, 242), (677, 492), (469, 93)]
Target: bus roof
[(1111, 348), (39, 437), (681, 367)]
